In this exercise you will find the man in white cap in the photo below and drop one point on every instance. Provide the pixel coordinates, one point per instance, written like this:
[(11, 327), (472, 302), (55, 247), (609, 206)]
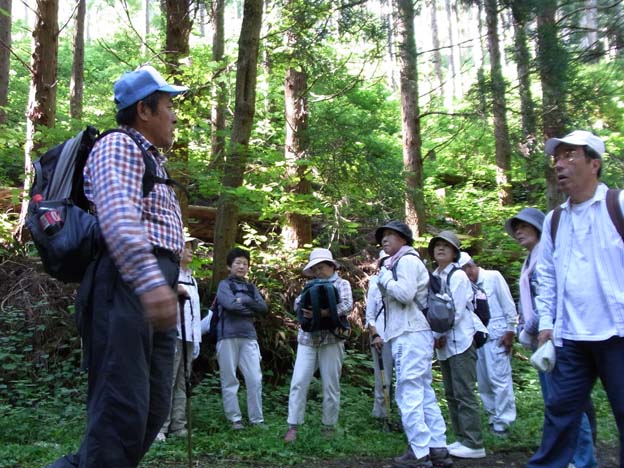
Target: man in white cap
[(581, 295), (127, 304), (494, 357)]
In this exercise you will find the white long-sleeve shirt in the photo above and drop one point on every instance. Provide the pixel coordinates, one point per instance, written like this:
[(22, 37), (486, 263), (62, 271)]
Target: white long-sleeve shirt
[(192, 313), (460, 337), (581, 281), (503, 315)]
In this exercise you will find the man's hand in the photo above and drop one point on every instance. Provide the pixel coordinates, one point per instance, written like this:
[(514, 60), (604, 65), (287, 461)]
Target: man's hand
[(506, 341), (544, 336), (307, 313), (440, 342), (160, 307)]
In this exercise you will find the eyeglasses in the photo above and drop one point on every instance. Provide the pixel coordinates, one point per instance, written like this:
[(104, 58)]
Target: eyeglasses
[(567, 155)]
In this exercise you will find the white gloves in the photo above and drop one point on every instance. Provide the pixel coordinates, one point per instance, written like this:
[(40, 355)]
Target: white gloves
[(195, 350)]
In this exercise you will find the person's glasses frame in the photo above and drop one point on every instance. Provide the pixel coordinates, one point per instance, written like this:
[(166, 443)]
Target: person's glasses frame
[(568, 155)]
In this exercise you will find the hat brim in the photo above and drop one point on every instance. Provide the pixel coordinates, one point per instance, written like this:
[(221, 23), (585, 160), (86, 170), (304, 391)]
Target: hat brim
[(432, 243), (551, 144), (174, 90), (517, 219), (316, 261), (379, 235)]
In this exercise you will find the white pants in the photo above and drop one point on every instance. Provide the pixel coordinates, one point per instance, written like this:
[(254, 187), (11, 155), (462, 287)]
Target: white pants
[(328, 358), (379, 404), (495, 384), (243, 353), (421, 416)]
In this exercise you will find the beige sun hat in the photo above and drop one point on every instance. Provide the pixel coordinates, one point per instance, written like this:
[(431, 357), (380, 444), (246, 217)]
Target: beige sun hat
[(319, 255)]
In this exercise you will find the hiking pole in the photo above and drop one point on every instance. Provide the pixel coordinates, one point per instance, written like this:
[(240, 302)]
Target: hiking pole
[(384, 386), (187, 379)]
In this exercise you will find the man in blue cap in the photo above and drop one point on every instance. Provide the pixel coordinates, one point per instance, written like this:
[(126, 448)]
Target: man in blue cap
[(126, 305), (581, 301)]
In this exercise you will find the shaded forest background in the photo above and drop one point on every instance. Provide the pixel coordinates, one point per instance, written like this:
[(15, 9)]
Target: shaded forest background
[(309, 123)]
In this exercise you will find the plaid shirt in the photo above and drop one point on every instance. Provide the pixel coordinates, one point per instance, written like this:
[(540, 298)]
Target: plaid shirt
[(325, 337), (132, 225)]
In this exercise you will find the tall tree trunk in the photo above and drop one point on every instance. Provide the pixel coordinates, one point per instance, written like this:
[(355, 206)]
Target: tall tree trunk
[(178, 29), (437, 55), (5, 56), (237, 154), (499, 107), (450, 76), (589, 21), (76, 84), (42, 97), (552, 59), (527, 107), (219, 91), (146, 31), (457, 56), (412, 143), (298, 228)]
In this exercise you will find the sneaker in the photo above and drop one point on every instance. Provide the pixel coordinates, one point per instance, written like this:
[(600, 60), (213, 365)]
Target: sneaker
[(466, 452), (291, 434), (440, 457), (454, 445), (160, 437), (502, 433), (238, 425)]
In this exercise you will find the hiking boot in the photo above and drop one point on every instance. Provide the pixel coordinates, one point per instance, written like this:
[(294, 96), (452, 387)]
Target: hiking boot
[(440, 457), (408, 455), (291, 434), (423, 462), (502, 433), (178, 433), (238, 425), (466, 452)]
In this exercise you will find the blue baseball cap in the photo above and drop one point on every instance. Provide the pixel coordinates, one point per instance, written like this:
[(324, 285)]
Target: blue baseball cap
[(140, 83)]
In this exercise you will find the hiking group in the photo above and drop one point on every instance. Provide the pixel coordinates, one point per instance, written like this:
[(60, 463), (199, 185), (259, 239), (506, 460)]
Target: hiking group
[(571, 293)]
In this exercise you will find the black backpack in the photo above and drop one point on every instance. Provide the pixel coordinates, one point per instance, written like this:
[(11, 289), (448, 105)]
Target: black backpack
[(318, 294), (481, 307), (64, 231), (212, 336)]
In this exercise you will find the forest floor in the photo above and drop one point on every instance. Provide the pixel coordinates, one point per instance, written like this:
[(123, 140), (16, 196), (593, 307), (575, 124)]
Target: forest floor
[(607, 458)]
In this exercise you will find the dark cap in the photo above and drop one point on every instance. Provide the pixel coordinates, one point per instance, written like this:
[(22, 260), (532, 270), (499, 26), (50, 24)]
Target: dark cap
[(533, 216), (401, 228)]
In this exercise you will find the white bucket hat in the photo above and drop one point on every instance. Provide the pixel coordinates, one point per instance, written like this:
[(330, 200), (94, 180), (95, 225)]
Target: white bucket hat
[(317, 256)]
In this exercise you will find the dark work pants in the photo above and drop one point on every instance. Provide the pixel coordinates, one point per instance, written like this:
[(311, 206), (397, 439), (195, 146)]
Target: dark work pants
[(130, 370), (578, 365)]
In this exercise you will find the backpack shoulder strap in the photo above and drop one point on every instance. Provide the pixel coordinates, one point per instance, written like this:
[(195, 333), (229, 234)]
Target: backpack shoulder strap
[(554, 223), (448, 277), (394, 267), (615, 212), (150, 176)]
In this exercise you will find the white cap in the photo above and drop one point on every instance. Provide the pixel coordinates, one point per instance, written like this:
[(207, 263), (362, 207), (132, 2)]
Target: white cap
[(576, 138), (464, 259), (317, 256)]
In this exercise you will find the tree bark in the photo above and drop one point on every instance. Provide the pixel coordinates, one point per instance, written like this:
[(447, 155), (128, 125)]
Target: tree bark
[(42, 97), (297, 230), (522, 56), (5, 56), (237, 153), (412, 143), (219, 90), (552, 59), (76, 84), (499, 107), (178, 28), (437, 55), (450, 76)]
